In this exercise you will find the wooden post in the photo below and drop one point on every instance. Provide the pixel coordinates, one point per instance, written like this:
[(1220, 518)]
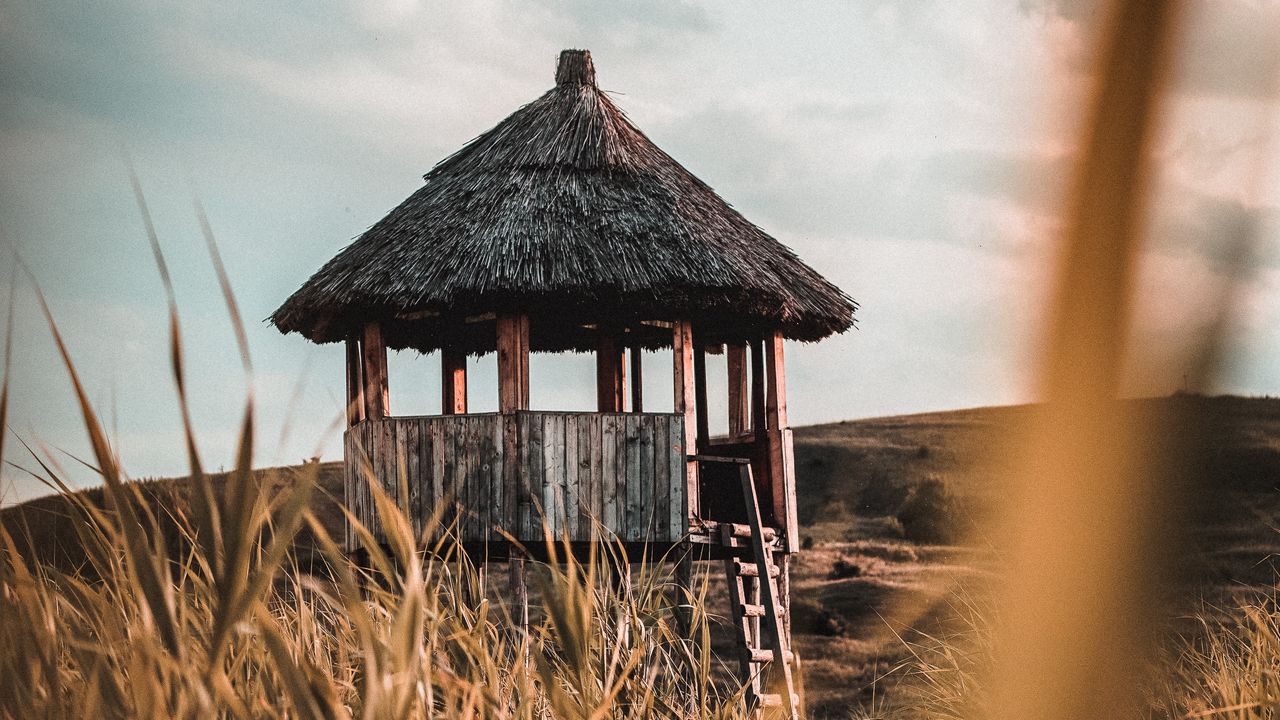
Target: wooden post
[(637, 379), (700, 392), (513, 395), (776, 404), (453, 382), (519, 590), (684, 586), (757, 389), (377, 400), (685, 404), (355, 383), (523, 328), (513, 362), (611, 372), (739, 407), (783, 561), (782, 478), (684, 622)]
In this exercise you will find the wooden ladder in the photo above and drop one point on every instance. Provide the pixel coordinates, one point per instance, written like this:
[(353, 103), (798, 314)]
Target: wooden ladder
[(765, 659)]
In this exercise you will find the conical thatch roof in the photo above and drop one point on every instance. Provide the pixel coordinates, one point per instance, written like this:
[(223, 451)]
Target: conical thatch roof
[(565, 211)]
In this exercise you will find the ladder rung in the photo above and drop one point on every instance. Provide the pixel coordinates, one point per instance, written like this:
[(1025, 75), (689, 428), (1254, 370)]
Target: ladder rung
[(750, 569), (736, 543), (750, 610), (764, 656), (744, 531), (774, 700)]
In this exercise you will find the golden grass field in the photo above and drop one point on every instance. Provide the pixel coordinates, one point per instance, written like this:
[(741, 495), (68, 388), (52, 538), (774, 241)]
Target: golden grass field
[(893, 585)]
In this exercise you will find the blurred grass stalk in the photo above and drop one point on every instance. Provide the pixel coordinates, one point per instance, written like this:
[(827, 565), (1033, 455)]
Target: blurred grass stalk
[(1086, 492)]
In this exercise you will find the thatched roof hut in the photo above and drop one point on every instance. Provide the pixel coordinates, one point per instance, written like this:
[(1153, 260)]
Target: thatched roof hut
[(564, 211)]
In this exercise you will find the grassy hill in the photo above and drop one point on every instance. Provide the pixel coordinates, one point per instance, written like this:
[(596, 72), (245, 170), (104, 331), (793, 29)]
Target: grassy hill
[(885, 503)]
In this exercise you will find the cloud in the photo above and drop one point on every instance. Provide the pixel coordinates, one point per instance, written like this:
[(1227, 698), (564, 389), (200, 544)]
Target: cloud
[(809, 177), (1224, 233), (1230, 48), (1226, 47), (635, 24)]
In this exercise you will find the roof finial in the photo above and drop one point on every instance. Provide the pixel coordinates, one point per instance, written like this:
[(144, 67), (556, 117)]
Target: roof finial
[(575, 68)]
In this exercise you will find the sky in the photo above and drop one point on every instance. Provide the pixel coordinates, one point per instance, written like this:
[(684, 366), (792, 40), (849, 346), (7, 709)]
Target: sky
[(915, 153)]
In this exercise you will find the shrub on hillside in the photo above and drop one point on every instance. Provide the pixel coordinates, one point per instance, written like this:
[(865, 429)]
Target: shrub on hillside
[(843, 568), (931, 512), (882, 493), (809, 617)]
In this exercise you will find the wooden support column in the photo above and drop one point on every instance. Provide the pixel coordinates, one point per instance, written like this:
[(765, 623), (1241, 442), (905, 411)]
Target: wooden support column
[(377, 401), (637, 379), (776, 404), (686, 404), (453, 382), (519, 591), (513, 362), (513, 395), (523, 328), (783, 562), (686, 597), (757, 389), (700, 392), (355, 382), (781, 455), (739, 405), (611, 374)]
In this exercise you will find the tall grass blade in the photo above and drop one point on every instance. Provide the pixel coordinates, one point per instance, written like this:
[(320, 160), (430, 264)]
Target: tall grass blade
[(8, 361), (148, 560), (1072, 617)]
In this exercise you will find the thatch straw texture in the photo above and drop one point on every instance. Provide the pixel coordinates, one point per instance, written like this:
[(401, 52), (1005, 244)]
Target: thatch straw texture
[(566, 211)]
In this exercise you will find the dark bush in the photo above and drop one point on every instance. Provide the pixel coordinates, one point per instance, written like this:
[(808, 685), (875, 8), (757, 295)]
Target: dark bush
[(811, 618), (842, 568), (931, 512), (881, 493)]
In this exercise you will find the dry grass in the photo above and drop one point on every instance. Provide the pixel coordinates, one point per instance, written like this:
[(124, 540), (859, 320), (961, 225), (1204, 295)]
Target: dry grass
[(203, 609), (229, 625)]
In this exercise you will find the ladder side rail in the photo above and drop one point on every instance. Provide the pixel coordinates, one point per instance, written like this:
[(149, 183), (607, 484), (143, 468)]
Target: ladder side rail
[(744, 624), (768, 594)]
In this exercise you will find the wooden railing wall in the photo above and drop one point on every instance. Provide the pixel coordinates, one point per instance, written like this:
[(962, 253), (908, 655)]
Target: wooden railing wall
[(587, 475)]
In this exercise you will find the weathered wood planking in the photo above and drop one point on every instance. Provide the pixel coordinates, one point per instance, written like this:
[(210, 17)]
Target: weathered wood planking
[(609, 430), (620, 474)]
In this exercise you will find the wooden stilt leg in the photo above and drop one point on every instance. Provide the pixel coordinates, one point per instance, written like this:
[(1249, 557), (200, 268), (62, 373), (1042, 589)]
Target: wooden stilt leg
[(783, 561), (519, 591), (684, 585), (622, 587), (684, 620)]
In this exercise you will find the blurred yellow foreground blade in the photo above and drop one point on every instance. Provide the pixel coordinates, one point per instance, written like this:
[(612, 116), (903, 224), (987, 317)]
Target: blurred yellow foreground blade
[(1070, 640)]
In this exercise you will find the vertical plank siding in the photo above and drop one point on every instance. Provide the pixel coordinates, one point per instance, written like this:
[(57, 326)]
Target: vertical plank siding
[(620, 474)]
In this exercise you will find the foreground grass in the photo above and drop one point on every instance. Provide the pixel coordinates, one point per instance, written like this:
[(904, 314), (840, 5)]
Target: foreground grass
[(887, 627), (203, 609), (231, 626)]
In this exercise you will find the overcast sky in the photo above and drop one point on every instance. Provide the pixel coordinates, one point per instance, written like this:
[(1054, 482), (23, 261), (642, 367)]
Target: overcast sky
[(912, 152)]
